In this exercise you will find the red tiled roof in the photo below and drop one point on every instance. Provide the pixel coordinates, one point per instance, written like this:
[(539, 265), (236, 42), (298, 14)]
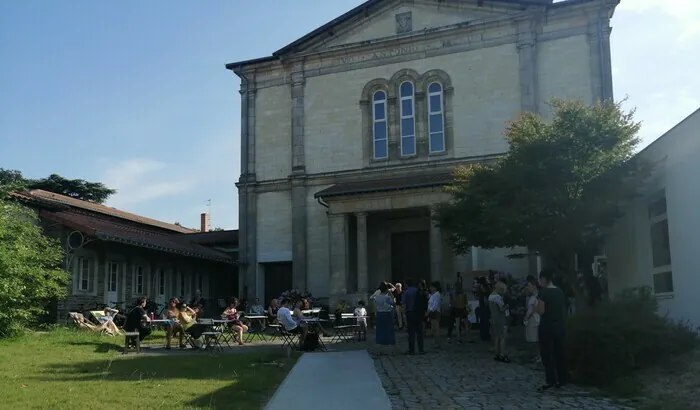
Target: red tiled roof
[(112, 230), (386, 185), (41, 195)]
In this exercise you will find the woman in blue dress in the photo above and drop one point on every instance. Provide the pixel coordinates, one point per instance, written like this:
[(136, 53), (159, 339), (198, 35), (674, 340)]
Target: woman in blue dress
[(384, 305)]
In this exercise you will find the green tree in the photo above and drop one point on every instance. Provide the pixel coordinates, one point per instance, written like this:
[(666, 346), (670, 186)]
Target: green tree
[(217, 229), (75, 188), (30, 268), (556, 190)]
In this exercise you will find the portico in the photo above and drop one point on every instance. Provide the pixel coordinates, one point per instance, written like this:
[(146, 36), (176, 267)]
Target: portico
[(384, 230)]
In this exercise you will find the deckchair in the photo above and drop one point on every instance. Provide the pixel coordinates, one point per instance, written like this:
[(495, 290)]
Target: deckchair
[(108, 328)]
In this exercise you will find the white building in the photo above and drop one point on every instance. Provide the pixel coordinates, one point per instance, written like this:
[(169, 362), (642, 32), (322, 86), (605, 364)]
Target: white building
[(657, 243), (349, 133)]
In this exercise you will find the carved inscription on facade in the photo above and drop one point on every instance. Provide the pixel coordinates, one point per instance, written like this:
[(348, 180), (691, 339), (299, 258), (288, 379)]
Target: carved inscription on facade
[(411, 49)]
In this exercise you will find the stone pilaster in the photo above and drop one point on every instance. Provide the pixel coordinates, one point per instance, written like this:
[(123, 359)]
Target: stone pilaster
[(601, 66), (247, 207), (337, 226), (299, 224), (362, 259), (436, 249), (299, 216), (527, 59)]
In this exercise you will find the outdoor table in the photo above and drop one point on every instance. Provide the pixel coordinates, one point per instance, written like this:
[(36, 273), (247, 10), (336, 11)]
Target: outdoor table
[(343, 332), (160, 322), (257, 327), (227, 334)]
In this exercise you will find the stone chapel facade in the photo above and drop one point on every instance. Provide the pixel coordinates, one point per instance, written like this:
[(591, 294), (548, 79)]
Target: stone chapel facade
[(349, 133)]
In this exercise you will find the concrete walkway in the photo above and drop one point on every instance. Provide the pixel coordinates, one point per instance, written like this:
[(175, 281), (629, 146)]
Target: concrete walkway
[(332, 381)]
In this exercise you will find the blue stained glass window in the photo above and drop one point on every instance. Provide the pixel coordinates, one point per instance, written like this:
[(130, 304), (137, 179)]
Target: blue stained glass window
[(406, 107), (408, 146), (380, 149), (408, 127), (436, 103), (406, 90), (379, 111), (434, 88), (437, 142), (379, 130), (435, 123), (379, 96)]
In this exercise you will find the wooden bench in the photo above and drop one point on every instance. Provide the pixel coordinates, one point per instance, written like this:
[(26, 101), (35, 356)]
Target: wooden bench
[(129, 336)]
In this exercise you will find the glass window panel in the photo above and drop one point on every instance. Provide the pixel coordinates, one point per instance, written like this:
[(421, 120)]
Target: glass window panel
[(434, 88), (437, 143), (380, 149), (408, 127), (406, 107), (435, 103), (406, 89), (380, 130), (658, 207), (379, 96), (408, 146), (379, 111), (660, 244), (436, 123), (663, 282)]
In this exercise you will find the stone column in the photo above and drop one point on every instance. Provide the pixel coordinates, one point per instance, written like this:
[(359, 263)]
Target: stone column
[(362, 260), (337, 246), (436, 265)]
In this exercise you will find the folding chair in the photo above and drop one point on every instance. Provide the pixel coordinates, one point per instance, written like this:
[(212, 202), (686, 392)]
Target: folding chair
[(287, 338), (211, 338)]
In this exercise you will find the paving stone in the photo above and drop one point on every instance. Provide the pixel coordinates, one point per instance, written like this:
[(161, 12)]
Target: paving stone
[(466, 377)]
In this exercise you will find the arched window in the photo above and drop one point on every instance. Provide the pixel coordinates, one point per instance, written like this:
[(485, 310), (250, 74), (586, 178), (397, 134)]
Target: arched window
[(379, 130), (408, 120), (436, 119)]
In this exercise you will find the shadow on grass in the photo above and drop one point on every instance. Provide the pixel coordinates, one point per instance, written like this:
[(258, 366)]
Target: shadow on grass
[(201, 381), (100, 347)]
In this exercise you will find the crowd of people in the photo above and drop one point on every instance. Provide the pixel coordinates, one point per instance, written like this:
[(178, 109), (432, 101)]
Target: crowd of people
[(419, 308)]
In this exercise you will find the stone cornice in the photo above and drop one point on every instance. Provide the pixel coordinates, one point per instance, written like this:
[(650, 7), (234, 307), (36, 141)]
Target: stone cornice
[(330, 178)]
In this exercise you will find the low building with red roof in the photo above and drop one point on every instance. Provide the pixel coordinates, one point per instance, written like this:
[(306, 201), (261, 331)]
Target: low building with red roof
[(115, 256)]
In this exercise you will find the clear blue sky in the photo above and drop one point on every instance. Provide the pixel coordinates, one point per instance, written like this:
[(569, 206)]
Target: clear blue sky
[(134, 93)]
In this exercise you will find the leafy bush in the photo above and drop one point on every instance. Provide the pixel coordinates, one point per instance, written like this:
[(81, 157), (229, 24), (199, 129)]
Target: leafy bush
[(30, 273), (622, 335)]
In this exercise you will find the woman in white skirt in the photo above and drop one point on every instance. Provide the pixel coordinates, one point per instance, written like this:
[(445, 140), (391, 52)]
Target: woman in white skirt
[(532, 318)]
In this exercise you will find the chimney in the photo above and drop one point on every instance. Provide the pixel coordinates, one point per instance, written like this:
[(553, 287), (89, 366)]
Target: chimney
[(204, 222)]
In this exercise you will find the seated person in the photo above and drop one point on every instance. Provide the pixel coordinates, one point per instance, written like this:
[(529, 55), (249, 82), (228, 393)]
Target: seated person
[(231, 313), (198, 303), (285, 319), (188, 320), (272, 311), (171, 313), (257, 308), (137, 320)]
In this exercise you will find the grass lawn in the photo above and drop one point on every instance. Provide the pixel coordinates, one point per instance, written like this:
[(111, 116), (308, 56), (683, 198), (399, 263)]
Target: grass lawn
[(66, 369)]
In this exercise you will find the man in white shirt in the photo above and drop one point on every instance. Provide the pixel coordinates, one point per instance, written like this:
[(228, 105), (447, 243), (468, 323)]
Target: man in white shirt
[(434, 306), (284, 318)]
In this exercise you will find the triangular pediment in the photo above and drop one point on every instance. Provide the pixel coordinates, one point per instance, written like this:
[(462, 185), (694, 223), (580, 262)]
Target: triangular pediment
[(386, 19)]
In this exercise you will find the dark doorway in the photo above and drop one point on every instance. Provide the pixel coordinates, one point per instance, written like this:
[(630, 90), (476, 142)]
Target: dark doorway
[(278, 278), (410, 256)]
